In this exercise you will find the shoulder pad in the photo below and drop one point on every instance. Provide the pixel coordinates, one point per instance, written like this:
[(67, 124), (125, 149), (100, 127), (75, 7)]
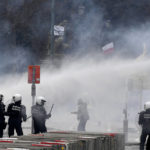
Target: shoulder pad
[(141, 112)]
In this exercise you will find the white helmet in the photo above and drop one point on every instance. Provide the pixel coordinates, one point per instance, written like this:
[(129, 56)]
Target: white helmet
[(17, 98), (39, 100), (147, 105)]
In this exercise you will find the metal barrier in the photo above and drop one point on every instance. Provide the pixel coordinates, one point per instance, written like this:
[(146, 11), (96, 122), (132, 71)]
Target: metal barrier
[(67, 141)]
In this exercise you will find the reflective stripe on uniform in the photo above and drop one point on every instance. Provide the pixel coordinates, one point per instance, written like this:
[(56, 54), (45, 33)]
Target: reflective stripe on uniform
[(16, 108)]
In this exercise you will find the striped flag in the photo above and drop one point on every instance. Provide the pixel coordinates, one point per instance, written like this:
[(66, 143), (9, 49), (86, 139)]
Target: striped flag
[(108, 48)]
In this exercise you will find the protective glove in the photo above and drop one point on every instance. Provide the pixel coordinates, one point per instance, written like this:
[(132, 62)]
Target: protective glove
[(24, 118)]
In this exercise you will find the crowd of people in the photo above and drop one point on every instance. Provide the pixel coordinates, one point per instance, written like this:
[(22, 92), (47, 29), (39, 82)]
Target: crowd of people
[(16, 113)]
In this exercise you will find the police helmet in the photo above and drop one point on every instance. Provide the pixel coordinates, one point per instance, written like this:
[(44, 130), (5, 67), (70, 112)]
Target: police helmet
[(40, 99), (147, 105), (17, 98)]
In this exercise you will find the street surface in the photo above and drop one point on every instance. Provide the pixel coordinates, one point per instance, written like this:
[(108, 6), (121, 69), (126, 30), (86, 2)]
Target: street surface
[(132, 147)]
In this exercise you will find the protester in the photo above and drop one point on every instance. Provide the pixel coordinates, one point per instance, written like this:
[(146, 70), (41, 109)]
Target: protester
[(82, 115)]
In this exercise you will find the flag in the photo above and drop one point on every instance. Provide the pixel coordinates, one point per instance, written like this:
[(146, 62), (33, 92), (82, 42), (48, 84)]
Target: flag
[(58, 30), (108, 48)]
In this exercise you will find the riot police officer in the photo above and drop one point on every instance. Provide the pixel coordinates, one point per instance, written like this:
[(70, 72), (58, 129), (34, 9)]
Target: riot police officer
[(17, 114), (144, 121), (2, 114), (39, 115)]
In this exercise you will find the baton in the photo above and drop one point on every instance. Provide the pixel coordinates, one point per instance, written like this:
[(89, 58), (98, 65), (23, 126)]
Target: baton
[(29, 117), (51, 109)]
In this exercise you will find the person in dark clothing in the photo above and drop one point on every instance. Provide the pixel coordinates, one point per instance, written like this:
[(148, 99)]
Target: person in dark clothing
[(17, 114), (2, 114), (144, 121), (39, 115), (82, 115)]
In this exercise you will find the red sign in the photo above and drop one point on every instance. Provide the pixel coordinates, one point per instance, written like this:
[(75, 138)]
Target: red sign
[(34, 74)]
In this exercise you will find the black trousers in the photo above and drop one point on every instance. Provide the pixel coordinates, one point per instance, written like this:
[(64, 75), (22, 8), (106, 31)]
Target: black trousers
[(148, 143), (1, 129), (143, 138), (14, 125)]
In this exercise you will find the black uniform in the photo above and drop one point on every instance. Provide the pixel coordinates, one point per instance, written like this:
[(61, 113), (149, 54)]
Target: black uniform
[(144, 121), (2, 118), (17, 114), (39, 117)]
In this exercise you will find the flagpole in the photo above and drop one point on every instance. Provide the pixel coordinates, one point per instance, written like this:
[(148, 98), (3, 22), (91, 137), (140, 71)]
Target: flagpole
[(51, 51)]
